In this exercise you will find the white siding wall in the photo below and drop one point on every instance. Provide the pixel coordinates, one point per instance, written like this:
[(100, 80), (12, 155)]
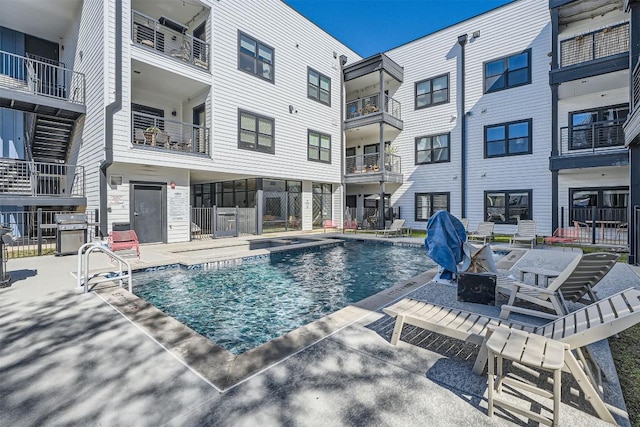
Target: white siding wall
[(501, 34), (90, 59), (589, 101), (298, 43)]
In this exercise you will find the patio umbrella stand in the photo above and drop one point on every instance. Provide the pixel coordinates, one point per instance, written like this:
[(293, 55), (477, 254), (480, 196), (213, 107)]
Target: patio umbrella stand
[(5, 279)]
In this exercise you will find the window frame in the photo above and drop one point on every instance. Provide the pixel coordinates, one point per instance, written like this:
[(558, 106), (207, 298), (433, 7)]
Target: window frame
[(258, 43), (320, 76), (430, 195), (432, 104), (505, 59), (320, 135), (243, 145), (507, 193), (415, 149), (506, 125)]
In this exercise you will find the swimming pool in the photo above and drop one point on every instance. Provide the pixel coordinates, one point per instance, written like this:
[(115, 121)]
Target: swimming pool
[(242, 307)]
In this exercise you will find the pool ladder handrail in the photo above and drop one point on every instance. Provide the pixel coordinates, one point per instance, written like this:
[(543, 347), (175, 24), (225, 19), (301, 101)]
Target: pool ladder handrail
[(83, 266)]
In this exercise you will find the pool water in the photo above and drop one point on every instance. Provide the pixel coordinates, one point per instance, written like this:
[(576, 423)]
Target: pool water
[(242, 307)]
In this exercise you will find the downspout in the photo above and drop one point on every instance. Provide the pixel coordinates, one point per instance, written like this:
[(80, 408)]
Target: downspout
[(381, 156), (462, 41), (109, 112), (555, 202), (343, 61)]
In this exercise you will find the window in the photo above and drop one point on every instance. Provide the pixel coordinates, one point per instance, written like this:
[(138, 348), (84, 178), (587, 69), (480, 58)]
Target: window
[(255, 57), (432, 149), (319, 148), (507, 72), (428, 203), (319, 87), (507, 207), (432, 91), (600, 127), (255, 132), (610, 202), (507, 139)]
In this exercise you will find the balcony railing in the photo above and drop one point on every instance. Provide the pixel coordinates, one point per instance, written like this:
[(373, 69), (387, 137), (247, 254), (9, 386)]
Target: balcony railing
[(371, 105), (595, 45), (370, 163), (21, 177), (162, 134), (41, 76), (150, 33), (636, 87), (595, 137)]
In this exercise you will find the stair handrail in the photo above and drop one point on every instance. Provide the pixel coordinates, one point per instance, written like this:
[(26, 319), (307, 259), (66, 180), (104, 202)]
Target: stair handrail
[(30, 135), (83, 267)]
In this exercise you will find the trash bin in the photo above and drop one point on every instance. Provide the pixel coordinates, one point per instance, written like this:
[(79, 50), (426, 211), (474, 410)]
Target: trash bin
[(71, 233)]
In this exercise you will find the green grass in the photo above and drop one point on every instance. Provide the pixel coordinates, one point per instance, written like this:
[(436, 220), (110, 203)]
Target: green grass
[(625, 350)]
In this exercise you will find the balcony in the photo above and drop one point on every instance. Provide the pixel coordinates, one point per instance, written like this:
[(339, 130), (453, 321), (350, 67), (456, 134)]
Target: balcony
[(158, 133), (592, 145), (361, 112), (31, 83), (50, 182), (632, 126), (591, 54), (151, 34), (366, 168)]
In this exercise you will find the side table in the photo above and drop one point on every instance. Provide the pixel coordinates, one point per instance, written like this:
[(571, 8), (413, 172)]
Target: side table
[(533, 351)]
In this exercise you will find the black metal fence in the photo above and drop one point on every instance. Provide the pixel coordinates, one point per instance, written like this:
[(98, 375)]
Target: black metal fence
[(34, 232), (598, 226), (223, 222)]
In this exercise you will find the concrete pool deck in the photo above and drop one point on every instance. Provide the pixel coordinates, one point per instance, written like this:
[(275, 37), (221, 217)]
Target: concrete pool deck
[(69, 358)]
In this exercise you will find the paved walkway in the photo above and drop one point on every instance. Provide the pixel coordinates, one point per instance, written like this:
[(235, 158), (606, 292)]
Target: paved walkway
[(70, 359)]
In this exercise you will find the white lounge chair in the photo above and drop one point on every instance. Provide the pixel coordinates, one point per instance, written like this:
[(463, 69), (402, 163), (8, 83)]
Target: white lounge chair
[(484, 232), (573, 284), (395, 228), (580, 328), (526, 232)]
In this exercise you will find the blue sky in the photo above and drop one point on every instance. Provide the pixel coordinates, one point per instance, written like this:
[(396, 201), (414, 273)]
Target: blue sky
[(372, 26)]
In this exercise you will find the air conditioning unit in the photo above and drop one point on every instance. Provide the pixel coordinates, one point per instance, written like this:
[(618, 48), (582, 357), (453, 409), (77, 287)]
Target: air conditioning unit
[(175, 26)]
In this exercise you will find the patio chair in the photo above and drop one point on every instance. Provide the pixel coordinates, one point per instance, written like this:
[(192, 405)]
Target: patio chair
[(465, 223), (139, 137), (588, 325), (484, 232), (526, 232), (573, 284), (395, 228), (122, 240)]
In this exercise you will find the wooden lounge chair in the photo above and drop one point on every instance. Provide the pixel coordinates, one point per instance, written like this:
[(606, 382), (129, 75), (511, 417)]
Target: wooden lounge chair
[(526, 232), (484, 232), (395, 228), (573, 284), (588, 325), (122, 240)]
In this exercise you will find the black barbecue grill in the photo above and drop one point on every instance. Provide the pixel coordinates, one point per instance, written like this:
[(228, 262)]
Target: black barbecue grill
[(71, 232)]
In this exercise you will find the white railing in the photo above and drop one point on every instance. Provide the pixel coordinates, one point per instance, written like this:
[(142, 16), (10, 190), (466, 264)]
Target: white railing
[(42, 77), (83, 267)]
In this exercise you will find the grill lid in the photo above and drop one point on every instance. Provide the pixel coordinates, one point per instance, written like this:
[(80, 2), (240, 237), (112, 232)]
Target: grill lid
[(74, 218)]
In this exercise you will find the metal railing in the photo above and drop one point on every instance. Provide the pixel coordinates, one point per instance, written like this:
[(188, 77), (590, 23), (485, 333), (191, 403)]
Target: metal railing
[(371, 105), (597, 226), (597, 136), (370, 163), (368, 218), (22, 177), (595, 45), (160, 133), (84, 279), (636, 87), (40, 76), (148, 32), (34, 231), (217, 222)]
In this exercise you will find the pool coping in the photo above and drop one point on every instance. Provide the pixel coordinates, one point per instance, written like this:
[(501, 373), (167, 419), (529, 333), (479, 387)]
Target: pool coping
[(225, 370)]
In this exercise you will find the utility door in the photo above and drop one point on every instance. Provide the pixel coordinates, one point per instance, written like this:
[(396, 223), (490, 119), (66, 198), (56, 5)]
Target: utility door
[(148, 217)]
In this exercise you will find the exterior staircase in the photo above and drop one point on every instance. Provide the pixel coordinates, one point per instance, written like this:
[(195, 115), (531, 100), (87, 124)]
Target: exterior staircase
[(51, 138)]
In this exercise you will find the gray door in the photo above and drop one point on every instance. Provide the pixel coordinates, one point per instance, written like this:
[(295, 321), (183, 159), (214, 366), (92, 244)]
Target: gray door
[(148, 213)]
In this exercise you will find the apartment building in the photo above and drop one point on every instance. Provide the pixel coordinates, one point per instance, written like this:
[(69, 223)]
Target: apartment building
[(151, 113)]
